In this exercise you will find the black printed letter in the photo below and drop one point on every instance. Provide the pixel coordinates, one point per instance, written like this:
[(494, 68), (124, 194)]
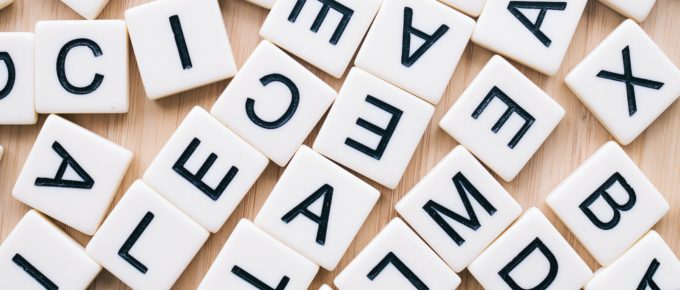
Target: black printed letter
[(61, 63), (512, 108), (406, 58), (180, 42), (252, 280), (535, 28), (196, 179), (58, 180), (384, 133), (327, 5), (630, 81), (303, 208), (536, 244), (294, 101), (617, 208), (463, 186), (391, 258), (124, 251), (11, 74), (33, 272), (648, 279)]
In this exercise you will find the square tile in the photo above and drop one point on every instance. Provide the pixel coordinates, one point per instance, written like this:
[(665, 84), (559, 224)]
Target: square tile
[(502, 117), (608, 203), (251, 259), (17, 98), (263, 3), (650, 263), (472, 8), (458, 208), (373, 128), (635, 9), (273, 102), (317, 208), (72, 174), (397, 259), (325, 33), (5, 3), (146, 242), (205, 169), (89, 9), (626, 82), (416, 45), (179, 45), (91, 58), (534, 33), (530, 255), (38, 255)]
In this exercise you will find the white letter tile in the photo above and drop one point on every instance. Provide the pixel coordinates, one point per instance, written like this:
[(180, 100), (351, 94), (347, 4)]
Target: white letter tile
[(608, 203), (37, 255), (205, 169), (72, 174), (146, 242), (91, 60), (273, 102), (502, 117), (373, 128), (317, 208), (531, 254), (459, 208), (89, 9), (626, 81), (635, 9), (17, 98), (397, 259), (416, 45), (325, 33), (534, 33), (649, 264), (251, 259), (179, 45)]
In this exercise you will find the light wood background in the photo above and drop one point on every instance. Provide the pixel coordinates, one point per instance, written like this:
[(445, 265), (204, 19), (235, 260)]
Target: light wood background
[(149, 124)]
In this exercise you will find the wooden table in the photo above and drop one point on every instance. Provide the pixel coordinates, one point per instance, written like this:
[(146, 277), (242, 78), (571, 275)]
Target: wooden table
[(149, 124)]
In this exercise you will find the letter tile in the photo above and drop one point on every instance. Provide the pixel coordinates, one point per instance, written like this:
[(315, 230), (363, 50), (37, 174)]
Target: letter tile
[(649, 264), (472, 8), (534, 33), (317, 208), (416, 45), (531, 254), (502, 118), (89, 9), (608, 203), (251, 260), (5, 3), (185, 41), (273, 102), (325, 33), (17, 100), (38, 255), (458, 208), (146, 242), (397, 259), (373, 128), (263, 3), (205, 169), (91, 60), (626, 82), (635, 9), (72, 174)]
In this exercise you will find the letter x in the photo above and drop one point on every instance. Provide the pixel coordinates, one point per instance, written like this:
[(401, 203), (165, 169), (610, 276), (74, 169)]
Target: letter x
[(630, 81)]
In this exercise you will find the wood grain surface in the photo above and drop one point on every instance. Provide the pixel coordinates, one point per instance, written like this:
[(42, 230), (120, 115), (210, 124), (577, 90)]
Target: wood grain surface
[(149, 124)]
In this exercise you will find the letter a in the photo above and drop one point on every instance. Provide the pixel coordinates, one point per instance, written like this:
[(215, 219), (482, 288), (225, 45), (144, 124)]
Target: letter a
[(406, 58), (535, 27), (58, 180), (322, 220)]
